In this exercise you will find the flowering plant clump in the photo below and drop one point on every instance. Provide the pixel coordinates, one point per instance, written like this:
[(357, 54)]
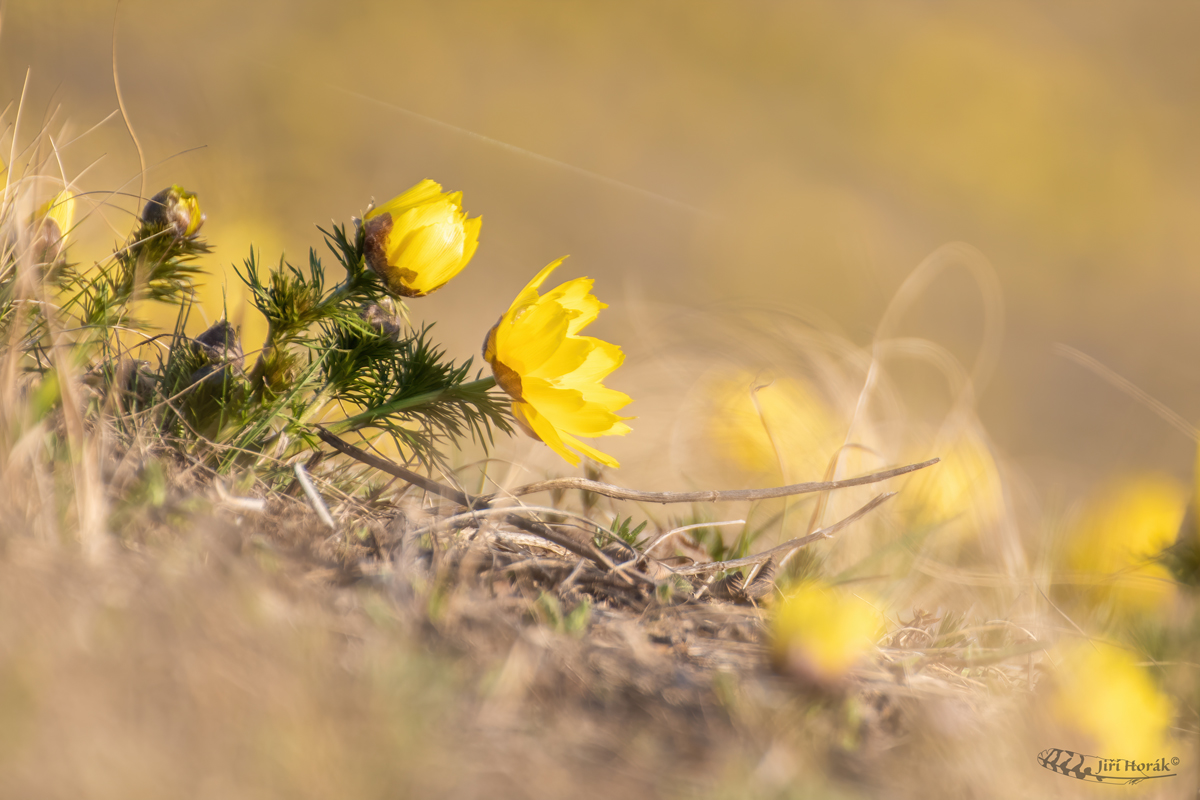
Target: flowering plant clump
[(552, 373), (340, 354)]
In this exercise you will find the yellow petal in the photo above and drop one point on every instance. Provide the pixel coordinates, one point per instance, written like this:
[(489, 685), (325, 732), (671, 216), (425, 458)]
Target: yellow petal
[(571, 354), (602, 396), (423, 192), (568, 410), (470, 238), (489, 346), (62, 210), (522, 413), (433, 254), (529, 294), (530, 339), (546, 432), (602, 359), (591, 452), (576, 296)]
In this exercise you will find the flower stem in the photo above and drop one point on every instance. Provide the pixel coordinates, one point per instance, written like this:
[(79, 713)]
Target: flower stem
[(371, 414)]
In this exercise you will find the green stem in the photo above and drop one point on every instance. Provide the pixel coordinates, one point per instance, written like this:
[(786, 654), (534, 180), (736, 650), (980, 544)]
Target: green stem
[(257, 376), (372, 414), (319, 399)]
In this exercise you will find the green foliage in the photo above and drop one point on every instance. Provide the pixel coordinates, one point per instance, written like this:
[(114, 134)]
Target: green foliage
[(620, 529), (548, 610), (156, 265), (712, 540), (674, 589), (804, 564)]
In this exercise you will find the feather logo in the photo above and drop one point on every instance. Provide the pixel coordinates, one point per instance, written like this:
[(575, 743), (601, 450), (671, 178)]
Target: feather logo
[(1096, 769)]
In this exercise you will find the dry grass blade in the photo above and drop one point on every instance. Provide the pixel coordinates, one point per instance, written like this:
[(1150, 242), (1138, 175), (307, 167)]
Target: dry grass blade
[(314, 497)]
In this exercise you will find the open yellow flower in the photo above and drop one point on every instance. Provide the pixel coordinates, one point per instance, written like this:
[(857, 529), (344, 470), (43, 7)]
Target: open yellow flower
[(552, 373), (416, 242)]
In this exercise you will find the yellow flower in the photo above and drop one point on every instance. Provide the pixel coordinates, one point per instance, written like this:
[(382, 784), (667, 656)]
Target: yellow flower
[(418, 241), (60, 211), (52, 224), (552, 373), (1120, 535), (820, 632), (1103, 694), (177, 208), (964, 489), (770, 425)]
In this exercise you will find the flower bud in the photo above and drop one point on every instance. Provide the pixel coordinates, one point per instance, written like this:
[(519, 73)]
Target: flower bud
[(419, 240), (383, 318), (220, 346), (176, 208)]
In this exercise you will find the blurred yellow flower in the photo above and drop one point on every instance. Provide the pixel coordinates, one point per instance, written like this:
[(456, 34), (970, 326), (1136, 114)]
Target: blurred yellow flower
[(820, 632), (1103, 694), (1118, 538), (416, 242), (965, 486), (60, 210), (554, 375), (176, 208), (52, 224), (776, 427)]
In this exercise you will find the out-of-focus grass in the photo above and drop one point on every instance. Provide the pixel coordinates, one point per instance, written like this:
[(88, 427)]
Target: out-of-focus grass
[(202, 670)]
